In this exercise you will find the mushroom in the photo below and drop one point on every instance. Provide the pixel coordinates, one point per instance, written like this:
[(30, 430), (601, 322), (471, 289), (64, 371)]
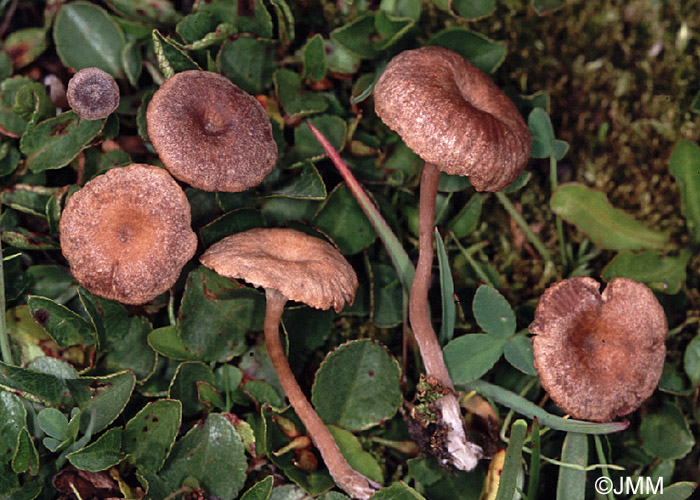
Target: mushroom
[(291, 265), (127, 234), (455, 118), (93, 94), (209, 133), (599, 355)]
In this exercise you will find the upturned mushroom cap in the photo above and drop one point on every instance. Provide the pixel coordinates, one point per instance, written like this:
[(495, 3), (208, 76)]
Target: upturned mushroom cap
[(301, 267), (209, 133), (127, 234), (599, 356), (452, 115), (93, 94)]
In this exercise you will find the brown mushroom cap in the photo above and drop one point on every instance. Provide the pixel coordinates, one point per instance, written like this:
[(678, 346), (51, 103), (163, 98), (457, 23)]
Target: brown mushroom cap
[(301, 267), (93, 94), (209, 133), (127, 234), (452, 115), (599, 356)]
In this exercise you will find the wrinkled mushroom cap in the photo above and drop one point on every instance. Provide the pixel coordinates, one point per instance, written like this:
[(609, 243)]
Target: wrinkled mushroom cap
[(209, 133), (301, 267), (452, 115), (599, 356), (93, 94), (127, 234)]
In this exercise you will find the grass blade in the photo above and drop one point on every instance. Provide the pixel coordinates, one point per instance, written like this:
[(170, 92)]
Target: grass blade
[(572, 483), (511, 466)]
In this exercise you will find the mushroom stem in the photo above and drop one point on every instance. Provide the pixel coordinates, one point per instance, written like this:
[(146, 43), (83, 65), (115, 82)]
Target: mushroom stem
[(464, 454), (355, 484)]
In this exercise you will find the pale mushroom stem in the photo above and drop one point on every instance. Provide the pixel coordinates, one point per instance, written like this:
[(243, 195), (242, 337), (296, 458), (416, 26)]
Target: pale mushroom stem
[(464, 454), (355, 484)]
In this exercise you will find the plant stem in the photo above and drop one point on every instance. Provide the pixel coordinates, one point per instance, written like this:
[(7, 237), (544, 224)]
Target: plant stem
[(4, 339), (393, 246), (522, 224), (560, 225), (354, 483), (475, 265)]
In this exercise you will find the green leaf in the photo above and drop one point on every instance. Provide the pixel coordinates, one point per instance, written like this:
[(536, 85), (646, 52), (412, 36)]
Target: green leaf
[(482, 52), (447, 290), (211, 453), (677, 491), (13, 417), (388, 296), (468, 217), (64, 326), (470, 356), (29, 491), (184, 385), (26, 45), (684, 165), (357, 386), (285, 21), (542, 133), (357, 458), (260, 490), (101, 398), (331, 126), (493, 313), (9, 159), (53, 423), (215, 315), (43, 386), (86, 36), (10, 120), (54, 143), (571, 484), (171, 58), (301, 183), (356, 36), (167, 342), (691, 361), (251, 17), (248, 62), (518, 352), (100, 455), (663, 274), (26, 458), (27, 240), (343, 220), (512, 464), (665, 433), (27, 198), (295, 100), (473, 9), (315, 64), (233, 222), (158, 12), (390, 30), (546, 6), (531, 410), (150, 434), (196, 26), (608, 227), (397, 491)]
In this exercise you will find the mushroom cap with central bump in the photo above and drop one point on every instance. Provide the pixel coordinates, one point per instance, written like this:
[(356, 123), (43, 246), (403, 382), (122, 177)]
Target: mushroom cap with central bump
[(452, 115), (599, 356), (209, 133), (127, 234), (93, 94), (301, 267)]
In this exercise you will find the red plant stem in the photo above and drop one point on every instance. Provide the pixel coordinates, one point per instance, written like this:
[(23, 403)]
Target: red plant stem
[(354, 483), (419, 312)]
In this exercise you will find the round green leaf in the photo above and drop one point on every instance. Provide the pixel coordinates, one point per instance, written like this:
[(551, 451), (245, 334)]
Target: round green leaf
[(343, 220), (357, 386), (184, 385), (482, 52), (248, 62), (665, 434), (691, 361), (86, 36), (493, 313), (100, 455), (470, 356)]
